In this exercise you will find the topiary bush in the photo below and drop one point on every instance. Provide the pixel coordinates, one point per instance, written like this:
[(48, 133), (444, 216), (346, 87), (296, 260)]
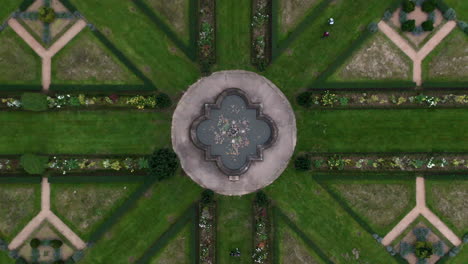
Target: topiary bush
[(439, 248), (408, 6), (402, 16), (21, 261), (35, 243), (421, 233), (450, 14), (33, 164), (418, 30), (303, 162), (207, 196), (428, 6), (304, 99), (408, 25), (428, 25), (59, 262), (56, 243), (163, 101), (423, 249), (372, 27), (387, 15), (454, 251), (46, 14), (261, 199), (405, 249), (463, 26), (163, 164), (34, 101), (3, 245)]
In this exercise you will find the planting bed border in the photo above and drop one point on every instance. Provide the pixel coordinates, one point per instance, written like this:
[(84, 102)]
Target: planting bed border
[(213, 246), (269, 227), (206, 62), (267, 27)]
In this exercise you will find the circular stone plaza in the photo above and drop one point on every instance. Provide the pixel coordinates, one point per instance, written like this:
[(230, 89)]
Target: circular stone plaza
[(234, 132)]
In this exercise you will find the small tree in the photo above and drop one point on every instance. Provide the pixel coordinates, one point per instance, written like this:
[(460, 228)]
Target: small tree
[(450, 14), (34, 101), (261, 199), (428, 6), (46, 14), (207, 196), (163, 101), (408, 25), (423, 249), (163, 164), (304, 99), (428, 25), (303, 163), (33, 164), (408, 6), (56, 243), (35, 243)]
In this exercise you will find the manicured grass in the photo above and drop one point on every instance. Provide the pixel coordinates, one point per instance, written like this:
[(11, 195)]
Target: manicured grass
[(19, 64), (422, 130), (85, 60), (83, 132), (154, 213), (8, 7), (85, 206), (309, 54), (19, 204), (447, 62), (4, 259), (233, 46), (380, 204), (319, 216), (177, 251), (142, 42), (449, 200), (234, 229), (377, 59), (460, 258), (293, 12), (292, 249), (460, 6)]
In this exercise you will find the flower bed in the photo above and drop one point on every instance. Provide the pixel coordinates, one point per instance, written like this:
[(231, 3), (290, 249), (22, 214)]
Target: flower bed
[(10, 102), (329, 99), (262, 231), (206, 37), (10, 165), (114, 100), (261, 33), (410, 162), (207, 232), (66, 165)]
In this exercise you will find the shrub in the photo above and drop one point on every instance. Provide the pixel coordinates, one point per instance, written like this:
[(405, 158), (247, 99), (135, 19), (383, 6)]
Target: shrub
[(163, 101), (59, 262), (329, 99), (56, 243), (423, 249), (304, 99), (372, 27), (463, 26), (46, 14), (402, 17), (405, 249), (207, 196), (428, 25), (163, 164), (454, 251), (428, 6), (343, 101), (408, 6), (431, 17), (450, 14), (303, 163), (34, 101), (3, 245), (21, 261), (418, 30), (33, 164), (335, 163), (421, 233), (261, 199), (77, 256), (465, 239), (35, 243), (421, 261), (13, 254), (439, 248), (387, 15), (408, 25)]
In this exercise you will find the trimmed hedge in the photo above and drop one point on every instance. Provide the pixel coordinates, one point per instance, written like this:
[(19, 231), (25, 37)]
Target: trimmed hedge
[(103, 88), (19, 179), (163, 164), (96, 179), (34, 101), (25, 4), (379, 85), (34, 164)]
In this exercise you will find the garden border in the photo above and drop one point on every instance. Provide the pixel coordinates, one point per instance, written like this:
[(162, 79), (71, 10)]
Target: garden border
[(268, 49)]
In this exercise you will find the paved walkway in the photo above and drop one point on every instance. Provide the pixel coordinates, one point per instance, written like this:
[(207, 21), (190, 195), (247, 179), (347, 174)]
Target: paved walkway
[(417, 56), (46, 215), (421, 209), (45, 54)]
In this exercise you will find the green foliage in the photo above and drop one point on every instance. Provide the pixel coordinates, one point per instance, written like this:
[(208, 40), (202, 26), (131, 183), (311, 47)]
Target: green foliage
[(163, 101), (303, 163), (329, 99), (463, 26), (421, 233), (261, 199), (46, 14), (3, 245), (372, 27), (56, 243), (304, 99), (423, 249), (439, 248), (428, 25), (335, 163), (405, 249), (408, 25), (33, 164), (454, 251), (408, 6), (59, 262), (163, 164), (34, 101), (141, 102), (450, 14), (35, 243), (21, 261), (343, 101), (428, 6), (207, 196), (387, 15)]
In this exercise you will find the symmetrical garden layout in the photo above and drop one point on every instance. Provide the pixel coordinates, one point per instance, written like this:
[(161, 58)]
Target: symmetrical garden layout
[(221, 131)]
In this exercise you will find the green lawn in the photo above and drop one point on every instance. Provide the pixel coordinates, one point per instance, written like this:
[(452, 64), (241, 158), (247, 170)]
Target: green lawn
[(83, 132), (154, 213), (233, 20), (8, 7), (142, 42), (460, 6), (177, 251), (85, 206), (234, 228), (319, 216), (422, 130)]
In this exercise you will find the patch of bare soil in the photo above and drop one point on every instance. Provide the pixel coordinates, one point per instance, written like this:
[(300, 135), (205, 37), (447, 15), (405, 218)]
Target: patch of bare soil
[(293, 251), (452, 60), (292, 11), (378, 60), (175, 11)]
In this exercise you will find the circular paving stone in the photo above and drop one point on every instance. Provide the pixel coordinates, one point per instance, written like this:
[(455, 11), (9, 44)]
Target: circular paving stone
[(234, 132)]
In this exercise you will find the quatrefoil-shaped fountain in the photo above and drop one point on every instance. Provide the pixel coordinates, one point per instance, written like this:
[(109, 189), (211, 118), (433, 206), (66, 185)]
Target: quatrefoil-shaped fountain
[(233, 132)]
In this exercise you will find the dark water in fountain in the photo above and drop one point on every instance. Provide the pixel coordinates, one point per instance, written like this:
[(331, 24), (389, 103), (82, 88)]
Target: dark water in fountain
[(233, 132)]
